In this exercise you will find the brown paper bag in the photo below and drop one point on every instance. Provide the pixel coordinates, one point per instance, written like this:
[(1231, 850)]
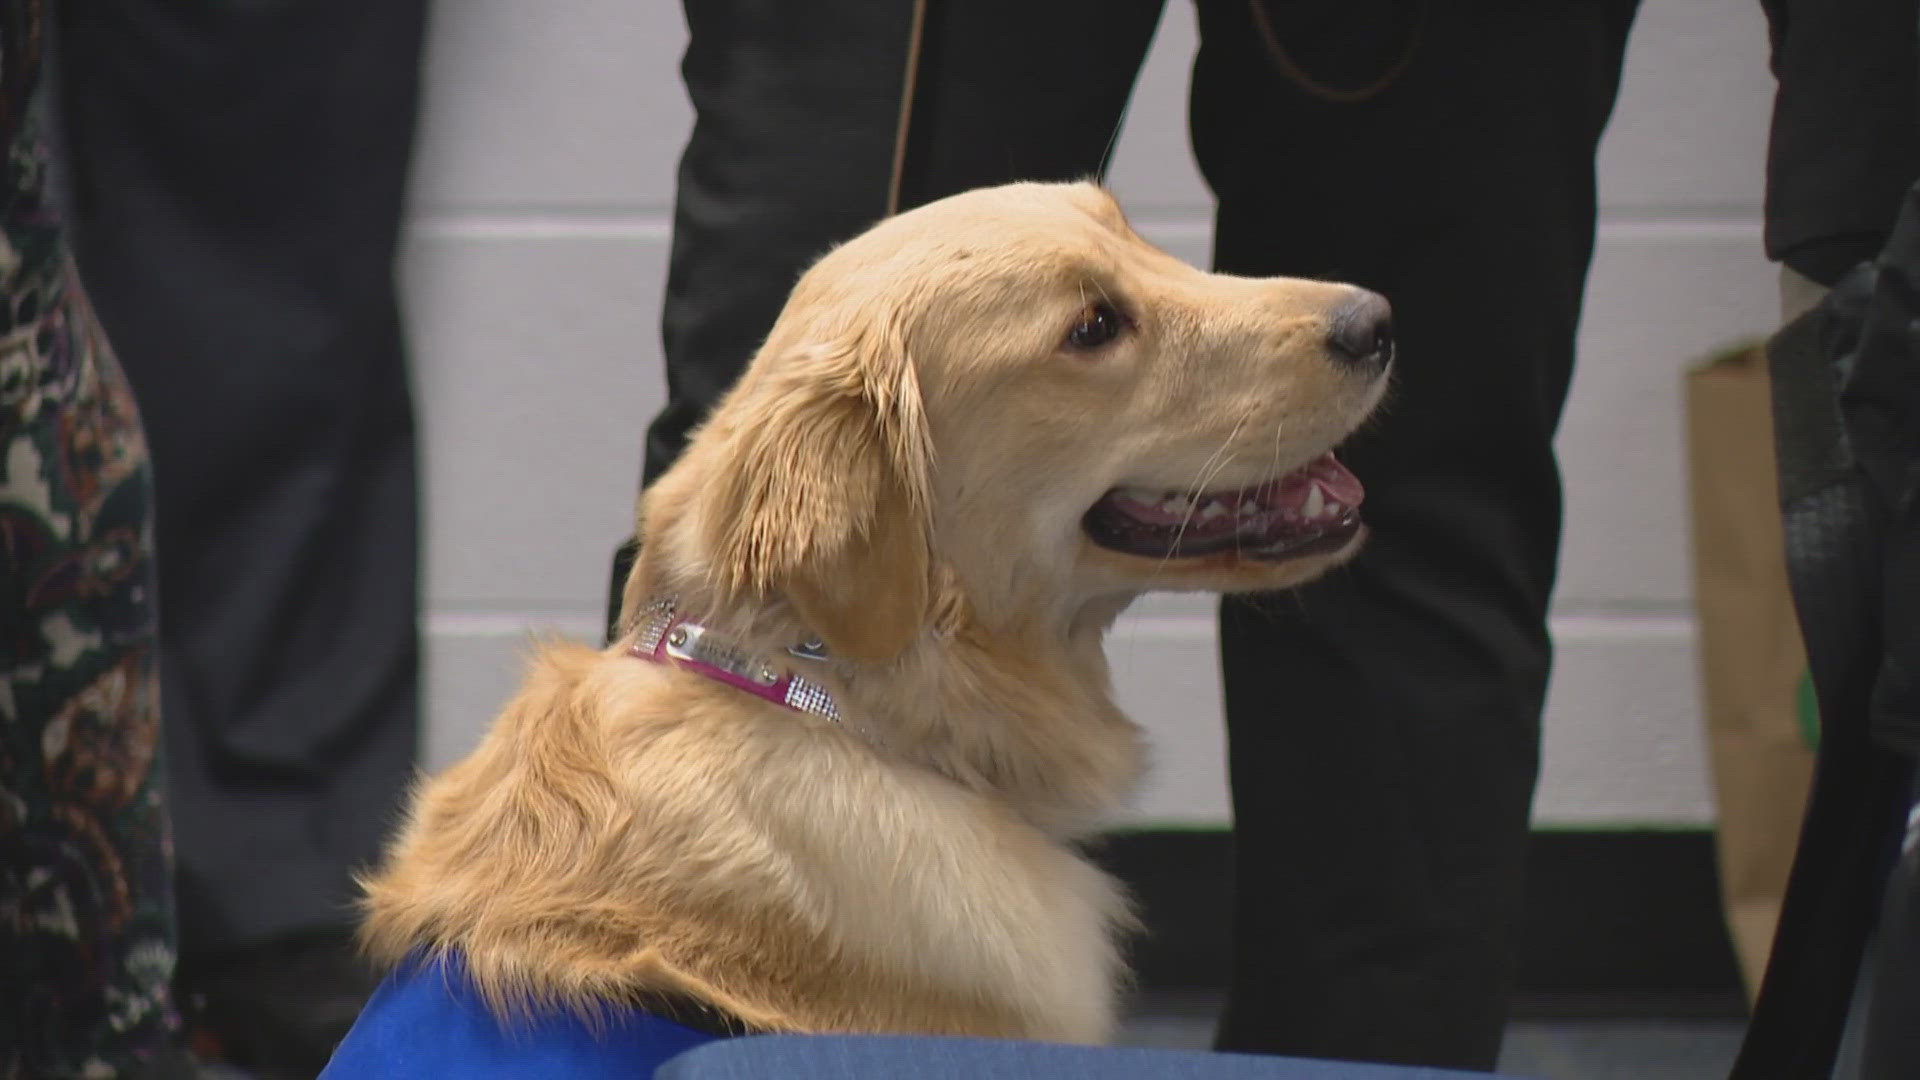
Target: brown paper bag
[(1753, 666)]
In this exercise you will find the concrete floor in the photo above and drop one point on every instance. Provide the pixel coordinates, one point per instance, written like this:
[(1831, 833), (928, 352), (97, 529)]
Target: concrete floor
[(1560, 1049)]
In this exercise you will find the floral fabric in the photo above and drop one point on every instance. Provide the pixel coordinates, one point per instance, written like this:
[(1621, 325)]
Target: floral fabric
[(86, 924)]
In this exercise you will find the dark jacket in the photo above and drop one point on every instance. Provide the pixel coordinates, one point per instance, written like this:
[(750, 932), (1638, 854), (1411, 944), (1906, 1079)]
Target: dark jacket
[(1844, 146)]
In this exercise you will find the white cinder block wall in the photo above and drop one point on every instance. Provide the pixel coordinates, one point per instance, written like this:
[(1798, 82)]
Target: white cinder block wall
[(533, 276)]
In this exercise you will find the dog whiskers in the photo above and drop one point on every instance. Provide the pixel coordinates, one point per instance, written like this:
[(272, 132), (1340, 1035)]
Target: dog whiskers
[(1212, 467)]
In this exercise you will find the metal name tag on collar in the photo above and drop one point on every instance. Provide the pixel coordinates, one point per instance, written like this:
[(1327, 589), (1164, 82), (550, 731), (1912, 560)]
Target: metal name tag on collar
[(662, 638), (692, 643)]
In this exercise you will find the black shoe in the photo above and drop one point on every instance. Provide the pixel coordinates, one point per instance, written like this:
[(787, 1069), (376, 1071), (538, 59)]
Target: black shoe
[(277, 1010)]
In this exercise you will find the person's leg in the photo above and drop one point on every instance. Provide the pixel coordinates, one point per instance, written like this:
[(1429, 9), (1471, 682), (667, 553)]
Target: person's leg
[(1017, 90), (86, 894), (797, 111), (797, 138), (237, 174), (1384, 722), (801, 141)]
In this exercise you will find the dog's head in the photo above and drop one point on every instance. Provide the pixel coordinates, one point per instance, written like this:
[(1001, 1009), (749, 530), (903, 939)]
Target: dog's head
[(1009, 395)]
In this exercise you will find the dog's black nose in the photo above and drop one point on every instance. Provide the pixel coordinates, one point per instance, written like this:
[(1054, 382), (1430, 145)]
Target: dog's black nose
[(1362, 333)]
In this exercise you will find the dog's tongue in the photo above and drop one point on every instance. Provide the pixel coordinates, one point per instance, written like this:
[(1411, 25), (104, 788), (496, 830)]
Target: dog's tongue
[(1319, 492), (1316, 502), (1336, 484)]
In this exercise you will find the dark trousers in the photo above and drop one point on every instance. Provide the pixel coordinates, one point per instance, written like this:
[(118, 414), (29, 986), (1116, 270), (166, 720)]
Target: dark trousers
[(1384, 723), (237, 174)]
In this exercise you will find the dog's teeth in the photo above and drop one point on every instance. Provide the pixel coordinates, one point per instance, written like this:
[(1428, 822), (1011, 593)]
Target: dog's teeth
[(1248, 508), (1213, 509), (1177, 504), (1335, 508), (1315, 502)]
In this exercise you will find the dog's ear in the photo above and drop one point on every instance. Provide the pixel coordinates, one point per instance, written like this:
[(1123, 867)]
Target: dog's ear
[(824, 497)]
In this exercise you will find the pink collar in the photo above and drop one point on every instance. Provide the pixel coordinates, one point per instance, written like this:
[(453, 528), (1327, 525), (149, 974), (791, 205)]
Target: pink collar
[(666, 638)]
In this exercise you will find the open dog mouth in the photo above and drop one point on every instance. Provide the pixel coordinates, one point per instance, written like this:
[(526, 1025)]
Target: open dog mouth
[(1313, 509)]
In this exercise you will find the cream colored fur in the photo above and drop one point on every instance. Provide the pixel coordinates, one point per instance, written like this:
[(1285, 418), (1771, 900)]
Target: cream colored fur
[(902, 472)]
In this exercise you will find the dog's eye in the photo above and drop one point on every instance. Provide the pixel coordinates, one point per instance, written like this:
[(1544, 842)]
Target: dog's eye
[(1100, 323)]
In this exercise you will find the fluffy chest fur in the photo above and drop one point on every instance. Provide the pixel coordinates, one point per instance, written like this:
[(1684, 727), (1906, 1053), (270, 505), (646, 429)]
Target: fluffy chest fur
[(627, 829)]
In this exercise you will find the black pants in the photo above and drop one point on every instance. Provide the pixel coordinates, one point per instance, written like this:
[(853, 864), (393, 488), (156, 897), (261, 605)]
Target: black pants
[(1384, 723), (237, 179)]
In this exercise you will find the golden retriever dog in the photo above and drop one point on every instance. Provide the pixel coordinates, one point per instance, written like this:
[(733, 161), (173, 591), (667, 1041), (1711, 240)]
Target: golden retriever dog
[(974, 435)]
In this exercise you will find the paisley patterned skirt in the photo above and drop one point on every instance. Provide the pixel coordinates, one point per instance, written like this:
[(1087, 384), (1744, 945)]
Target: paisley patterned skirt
[(86, 921)]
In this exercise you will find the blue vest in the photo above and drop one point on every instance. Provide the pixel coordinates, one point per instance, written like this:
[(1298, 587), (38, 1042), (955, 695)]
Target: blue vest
[(427, 1020)]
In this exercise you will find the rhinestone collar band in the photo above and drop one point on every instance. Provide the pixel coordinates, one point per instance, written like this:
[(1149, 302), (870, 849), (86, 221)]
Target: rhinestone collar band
[(667, 638)]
